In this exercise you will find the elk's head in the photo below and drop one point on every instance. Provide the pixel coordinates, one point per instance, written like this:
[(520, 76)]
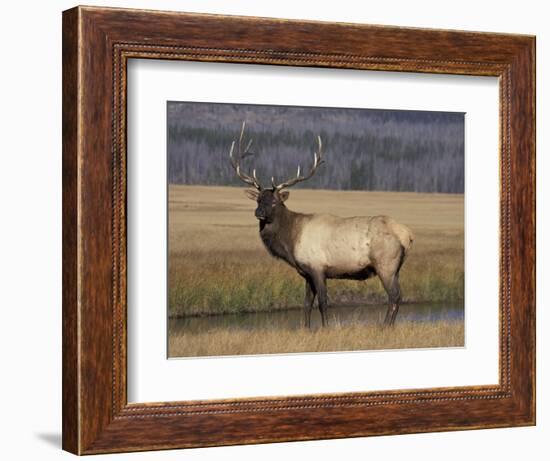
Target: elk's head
[(269, 200)]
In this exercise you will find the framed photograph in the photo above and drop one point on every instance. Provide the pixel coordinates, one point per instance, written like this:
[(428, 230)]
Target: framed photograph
[(282, 230)]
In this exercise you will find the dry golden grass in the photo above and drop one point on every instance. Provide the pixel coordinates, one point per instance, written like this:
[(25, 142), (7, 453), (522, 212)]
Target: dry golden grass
[(335, 338), (217, 263)]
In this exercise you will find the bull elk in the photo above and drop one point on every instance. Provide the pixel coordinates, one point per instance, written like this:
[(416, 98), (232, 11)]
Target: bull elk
[(322, 246)]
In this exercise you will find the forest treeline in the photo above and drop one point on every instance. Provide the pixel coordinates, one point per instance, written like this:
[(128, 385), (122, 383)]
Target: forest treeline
[(364, 149)]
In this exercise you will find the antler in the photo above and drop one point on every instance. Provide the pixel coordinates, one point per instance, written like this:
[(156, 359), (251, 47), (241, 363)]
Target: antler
[(317, 160), (243, 153)]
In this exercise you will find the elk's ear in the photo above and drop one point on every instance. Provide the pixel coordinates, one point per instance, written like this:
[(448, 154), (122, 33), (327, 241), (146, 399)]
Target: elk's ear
[(252, 194), (283, 195)]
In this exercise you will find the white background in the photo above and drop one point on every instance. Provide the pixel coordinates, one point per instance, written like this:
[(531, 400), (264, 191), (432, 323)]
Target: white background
[(30, 241), (153, 378)]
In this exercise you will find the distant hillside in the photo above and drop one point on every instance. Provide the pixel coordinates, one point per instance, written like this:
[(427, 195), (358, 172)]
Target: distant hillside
[(364, 149)]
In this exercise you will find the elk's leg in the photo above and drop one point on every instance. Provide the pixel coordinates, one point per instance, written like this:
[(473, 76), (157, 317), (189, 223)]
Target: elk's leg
[(308, 301), (320, 284), (391, 285)]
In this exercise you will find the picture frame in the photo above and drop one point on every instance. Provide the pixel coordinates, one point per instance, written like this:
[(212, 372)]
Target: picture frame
[(97, 44)]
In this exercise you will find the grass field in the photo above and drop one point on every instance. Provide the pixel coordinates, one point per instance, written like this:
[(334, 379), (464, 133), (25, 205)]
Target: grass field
[(217, 263), (334, 338)]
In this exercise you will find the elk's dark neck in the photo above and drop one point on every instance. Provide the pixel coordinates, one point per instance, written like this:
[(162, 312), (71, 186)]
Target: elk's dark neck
[(279, 236)]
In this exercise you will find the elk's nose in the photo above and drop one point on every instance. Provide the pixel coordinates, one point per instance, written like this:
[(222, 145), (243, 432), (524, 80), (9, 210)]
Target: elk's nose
[(259, 214)]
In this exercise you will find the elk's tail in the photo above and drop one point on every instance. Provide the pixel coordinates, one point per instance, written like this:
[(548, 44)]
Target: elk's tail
[(404, 234)]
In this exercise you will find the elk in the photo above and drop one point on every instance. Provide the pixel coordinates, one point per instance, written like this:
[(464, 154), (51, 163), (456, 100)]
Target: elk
[(322, 246)]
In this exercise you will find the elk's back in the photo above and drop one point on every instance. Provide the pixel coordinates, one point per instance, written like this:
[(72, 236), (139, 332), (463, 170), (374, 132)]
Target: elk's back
[(341, 246)]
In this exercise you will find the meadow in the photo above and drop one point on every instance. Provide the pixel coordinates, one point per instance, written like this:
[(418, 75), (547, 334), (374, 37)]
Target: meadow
[(217, 263), (337, 337)]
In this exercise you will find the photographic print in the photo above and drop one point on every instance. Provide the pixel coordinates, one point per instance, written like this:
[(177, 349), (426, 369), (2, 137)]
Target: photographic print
[(313, 225), (313, 229)]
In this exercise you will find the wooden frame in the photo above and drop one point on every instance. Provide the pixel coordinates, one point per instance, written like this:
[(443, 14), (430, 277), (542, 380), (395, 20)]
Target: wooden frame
[(97, 43)]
